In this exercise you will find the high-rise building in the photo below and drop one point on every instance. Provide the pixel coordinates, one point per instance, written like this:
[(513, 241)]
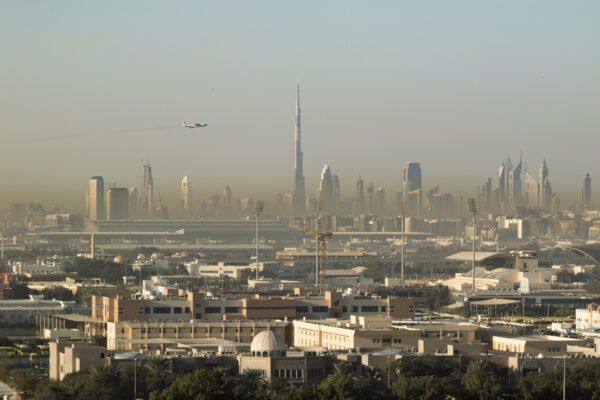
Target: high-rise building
[(487, 202), (117, 207), (186, 197), (545, 188), (371, 197), (360, 196), (327, 190), (299, 195), (515, 186), (531, 191), (133, 203), (400, 205), (586, 192), (227, 201), (502, 187), (147, 201), (381, 208), (412, 187), (96, 198)]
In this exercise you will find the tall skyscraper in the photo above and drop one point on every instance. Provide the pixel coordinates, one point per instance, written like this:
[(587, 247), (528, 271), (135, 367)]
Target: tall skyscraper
[(299, 188), (487, 202), (133, 203), (381, 207), (186, 197), (147, 201), (515, 186), (531, 191), (413, 187), (327, 190), (371, 197), (360, 196), (545, 188), (117, 207), (586, 192), (228, 201), (502, 187), (96, 199)]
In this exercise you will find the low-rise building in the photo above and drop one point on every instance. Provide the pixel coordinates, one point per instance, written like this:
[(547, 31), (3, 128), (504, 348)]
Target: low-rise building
[(199, 307), (271, 360), (27, 312), (219, 270), (364, 332), (588, 318), (39, 267), (68, 357), (157, 336), (535, 344)]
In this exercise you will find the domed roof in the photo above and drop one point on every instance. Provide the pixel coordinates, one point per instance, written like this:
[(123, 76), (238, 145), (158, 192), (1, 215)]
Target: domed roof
[(267, 341)]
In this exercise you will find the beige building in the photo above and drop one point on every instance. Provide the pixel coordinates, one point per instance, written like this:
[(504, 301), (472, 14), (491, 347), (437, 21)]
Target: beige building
[(435, 336), (364, 332), (588, 318), (197, 306), (68, 357), (535, 344), (160, 335), (271, 360)]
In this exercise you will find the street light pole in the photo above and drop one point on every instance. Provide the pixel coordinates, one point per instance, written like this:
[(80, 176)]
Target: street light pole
[(403, 213), (473, 209), (565, 377), (260, 205), (319, 206)]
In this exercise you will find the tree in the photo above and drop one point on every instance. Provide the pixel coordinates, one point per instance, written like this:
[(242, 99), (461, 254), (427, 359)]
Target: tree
[(437, 297), (58, 293), (482, 380), (542, 386), (24, 380), (51, 390), (157, 374), (344, 384), (20, 291), (419, 387), (447, 372), (202, 384), (100, 385)]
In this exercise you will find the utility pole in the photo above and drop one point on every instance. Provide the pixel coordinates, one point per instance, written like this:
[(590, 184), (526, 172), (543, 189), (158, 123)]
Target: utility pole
[(473, 209), (260, 205), (565, 377), (403, 213), (319, 205)]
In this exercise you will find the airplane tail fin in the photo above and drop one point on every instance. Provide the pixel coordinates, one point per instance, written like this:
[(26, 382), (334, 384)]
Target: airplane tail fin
[(183, 123)]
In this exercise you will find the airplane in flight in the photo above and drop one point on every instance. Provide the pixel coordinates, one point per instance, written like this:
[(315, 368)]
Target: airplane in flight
[(196, 125)]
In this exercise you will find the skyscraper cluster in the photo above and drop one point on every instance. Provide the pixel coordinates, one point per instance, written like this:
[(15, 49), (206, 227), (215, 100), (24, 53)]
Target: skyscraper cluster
[(512, 191)]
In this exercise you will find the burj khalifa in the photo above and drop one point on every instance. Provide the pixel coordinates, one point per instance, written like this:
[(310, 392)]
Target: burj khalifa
[(298, 208)]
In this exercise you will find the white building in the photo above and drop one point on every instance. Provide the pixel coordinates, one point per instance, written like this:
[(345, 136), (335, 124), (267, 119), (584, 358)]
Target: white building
[(216, 271), (39, 267)]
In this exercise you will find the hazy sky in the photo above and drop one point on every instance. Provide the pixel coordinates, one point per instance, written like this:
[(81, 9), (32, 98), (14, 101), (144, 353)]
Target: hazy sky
[(456, 85)]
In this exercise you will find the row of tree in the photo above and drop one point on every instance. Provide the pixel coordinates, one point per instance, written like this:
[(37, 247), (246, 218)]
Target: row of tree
[(427, 377)]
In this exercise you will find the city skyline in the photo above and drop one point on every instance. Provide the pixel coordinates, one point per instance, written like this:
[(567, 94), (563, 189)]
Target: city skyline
[(441, 92)]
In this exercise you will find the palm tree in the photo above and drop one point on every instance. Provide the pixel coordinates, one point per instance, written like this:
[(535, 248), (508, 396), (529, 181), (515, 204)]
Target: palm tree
[(158, 374)]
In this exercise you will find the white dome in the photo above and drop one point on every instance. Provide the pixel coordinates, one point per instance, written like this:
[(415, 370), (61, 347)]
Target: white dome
[(267, 341)]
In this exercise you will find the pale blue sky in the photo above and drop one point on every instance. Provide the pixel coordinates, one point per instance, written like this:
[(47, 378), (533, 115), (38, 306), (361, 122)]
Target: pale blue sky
[(457, 85)]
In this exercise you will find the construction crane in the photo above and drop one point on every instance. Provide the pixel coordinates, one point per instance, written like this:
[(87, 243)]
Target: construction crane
[(321, 250)]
